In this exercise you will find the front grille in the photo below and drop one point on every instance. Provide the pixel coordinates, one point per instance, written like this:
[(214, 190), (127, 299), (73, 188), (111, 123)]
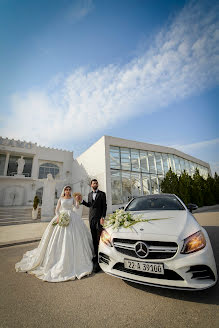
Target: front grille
[(103, 258), (168, 274), (156, 249), (201, 272)]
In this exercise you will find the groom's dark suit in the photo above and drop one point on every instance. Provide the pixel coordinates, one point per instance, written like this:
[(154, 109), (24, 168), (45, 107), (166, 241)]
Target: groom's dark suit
[(97, 211)]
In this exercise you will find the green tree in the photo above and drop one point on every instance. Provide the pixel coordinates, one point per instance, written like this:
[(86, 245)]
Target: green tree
[(36, 202), (209, 191), (216, 188), (170, 184), (185, 187), (198, 187)]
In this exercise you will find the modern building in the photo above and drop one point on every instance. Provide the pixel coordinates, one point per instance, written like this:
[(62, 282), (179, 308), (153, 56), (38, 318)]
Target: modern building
[(124, 168), (127, 168)]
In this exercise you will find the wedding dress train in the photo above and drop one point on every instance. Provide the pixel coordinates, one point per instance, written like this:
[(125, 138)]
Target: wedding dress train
[(64, 253)]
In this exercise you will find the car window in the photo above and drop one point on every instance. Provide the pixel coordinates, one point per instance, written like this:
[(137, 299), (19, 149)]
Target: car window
[(155, 203)]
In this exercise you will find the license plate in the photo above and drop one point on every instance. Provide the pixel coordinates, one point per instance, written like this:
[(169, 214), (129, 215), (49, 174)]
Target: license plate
[(144, 266)]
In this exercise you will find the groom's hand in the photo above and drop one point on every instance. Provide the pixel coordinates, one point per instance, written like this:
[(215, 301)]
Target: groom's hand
[(102, 221)]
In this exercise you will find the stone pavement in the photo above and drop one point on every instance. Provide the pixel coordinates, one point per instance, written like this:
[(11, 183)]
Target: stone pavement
[(23, 233), (101, 300)]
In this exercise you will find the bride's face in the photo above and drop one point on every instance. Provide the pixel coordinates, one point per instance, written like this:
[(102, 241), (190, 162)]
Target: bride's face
[(67, 191)]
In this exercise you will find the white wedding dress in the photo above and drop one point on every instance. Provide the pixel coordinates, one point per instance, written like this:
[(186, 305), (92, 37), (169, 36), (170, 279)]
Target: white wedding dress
[(64, 253)]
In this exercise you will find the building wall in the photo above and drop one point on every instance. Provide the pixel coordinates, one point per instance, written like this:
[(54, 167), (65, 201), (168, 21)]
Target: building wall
[(21, 190), (91, 164)]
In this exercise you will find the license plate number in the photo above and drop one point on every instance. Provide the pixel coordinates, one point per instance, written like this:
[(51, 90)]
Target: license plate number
[(144, 266)]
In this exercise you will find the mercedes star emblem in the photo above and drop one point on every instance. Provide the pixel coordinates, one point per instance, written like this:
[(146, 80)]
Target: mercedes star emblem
[(141, 249)]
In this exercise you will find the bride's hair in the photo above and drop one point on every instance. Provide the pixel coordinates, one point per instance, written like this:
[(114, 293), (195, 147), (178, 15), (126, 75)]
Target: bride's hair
[(63, 190)]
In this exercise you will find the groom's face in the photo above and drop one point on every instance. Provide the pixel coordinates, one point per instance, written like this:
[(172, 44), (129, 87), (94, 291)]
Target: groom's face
[(94, 185)]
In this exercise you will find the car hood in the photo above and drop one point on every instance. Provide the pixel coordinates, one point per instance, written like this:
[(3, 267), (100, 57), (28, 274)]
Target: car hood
[(179, 224)]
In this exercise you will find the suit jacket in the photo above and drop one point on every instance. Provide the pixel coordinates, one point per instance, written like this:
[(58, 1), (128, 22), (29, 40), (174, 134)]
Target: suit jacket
[(97, 207)]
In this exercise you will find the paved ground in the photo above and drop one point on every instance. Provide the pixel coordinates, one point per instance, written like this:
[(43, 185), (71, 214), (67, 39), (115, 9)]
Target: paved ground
[(101, 300), (19, 234)]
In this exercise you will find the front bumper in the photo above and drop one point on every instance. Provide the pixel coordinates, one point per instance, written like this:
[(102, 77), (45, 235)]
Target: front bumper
[(195, 271)]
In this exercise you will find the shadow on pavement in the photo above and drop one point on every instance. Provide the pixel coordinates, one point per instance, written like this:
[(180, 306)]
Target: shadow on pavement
[(206, 296)]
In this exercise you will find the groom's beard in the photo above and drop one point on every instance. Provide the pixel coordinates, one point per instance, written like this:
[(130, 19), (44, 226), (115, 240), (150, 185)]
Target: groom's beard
[(95, 188)]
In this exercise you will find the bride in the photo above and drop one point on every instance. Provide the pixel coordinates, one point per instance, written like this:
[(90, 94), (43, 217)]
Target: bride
[(64, 252)]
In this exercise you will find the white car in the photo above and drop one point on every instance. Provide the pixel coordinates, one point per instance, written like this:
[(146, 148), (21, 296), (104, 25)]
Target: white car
[(174, 252)]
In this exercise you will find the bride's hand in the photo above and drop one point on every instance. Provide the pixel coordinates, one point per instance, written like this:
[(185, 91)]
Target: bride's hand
[(57, 220), (78, 198)]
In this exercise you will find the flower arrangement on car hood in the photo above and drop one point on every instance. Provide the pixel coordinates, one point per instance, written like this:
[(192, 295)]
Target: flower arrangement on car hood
[(125, 219), (64, 220)]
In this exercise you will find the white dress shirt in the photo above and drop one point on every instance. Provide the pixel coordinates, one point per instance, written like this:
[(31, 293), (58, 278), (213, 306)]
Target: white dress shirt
[(95, 194)]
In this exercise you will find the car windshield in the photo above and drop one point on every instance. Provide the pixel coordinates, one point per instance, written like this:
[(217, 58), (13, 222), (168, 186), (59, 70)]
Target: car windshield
[(155, 204)]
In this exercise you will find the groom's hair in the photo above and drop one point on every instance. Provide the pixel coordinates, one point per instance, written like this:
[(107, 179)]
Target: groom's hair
[(93, 180)]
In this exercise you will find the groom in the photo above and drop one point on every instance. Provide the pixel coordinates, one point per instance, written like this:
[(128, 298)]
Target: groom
[(97, 204)]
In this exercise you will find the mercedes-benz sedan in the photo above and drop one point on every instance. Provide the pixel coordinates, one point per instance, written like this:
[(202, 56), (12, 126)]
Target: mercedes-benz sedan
[(170, 250)]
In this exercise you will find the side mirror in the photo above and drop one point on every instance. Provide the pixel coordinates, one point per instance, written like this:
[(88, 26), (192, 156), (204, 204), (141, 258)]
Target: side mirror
[(192, 207)]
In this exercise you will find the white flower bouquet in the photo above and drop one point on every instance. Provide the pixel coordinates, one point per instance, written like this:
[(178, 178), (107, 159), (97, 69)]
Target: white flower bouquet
[(124, 219), (64, 220)]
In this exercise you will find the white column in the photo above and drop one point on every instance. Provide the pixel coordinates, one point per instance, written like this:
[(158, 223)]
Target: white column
[(6, 164), (35, 168)]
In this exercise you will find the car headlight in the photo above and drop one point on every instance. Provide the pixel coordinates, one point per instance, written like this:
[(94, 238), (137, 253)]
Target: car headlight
[(194, 243), (105, 238)]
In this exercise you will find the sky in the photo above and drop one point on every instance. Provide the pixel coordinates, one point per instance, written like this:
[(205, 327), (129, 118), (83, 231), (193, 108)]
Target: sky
[(72, 71)]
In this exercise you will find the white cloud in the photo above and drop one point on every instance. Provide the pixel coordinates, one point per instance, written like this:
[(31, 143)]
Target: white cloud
[(182, 61), (79, 9), (197, 145), (207, 150)]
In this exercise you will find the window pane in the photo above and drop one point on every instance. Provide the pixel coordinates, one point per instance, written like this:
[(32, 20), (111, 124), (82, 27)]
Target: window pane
[(144, 161), (192, 168), (125, 159), (160, 179), (159, 163), (165, 163), (12, 165), (126, 187), (136, 184), (177, 164), (171, 162), (151, 161), (146, 184), (187, 167), (154, 185), (114, 157), (205, 172), (47, 168), (116, 187), (135, 160), (2, 163), (182, 165), (28, 166)]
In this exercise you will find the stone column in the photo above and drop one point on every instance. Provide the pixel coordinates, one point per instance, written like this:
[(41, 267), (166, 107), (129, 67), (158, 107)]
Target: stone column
[(35, 167), (47, 210), (6, 163)]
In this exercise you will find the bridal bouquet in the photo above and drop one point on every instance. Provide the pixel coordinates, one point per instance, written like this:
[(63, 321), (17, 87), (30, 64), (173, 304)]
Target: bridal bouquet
[(64, 220), (124, 219), (77, 194)]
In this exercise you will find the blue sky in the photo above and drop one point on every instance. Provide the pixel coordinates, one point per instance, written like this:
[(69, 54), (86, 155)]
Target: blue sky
[(72, 71)]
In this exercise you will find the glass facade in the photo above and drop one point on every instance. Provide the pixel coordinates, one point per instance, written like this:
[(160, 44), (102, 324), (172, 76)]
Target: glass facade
[(136, 172)]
